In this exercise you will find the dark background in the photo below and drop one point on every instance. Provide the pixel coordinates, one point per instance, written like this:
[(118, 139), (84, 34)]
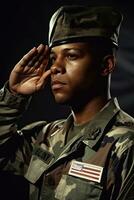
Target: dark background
[(24, 24)]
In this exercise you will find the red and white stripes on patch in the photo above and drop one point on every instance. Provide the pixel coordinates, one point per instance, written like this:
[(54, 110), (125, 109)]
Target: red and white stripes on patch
[(86, 171)]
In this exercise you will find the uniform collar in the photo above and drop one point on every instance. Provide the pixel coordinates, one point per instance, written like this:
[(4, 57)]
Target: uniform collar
[(95, 130)]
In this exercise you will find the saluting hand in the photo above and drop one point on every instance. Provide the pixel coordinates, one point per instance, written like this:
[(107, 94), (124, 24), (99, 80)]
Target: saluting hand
[(29, 75)]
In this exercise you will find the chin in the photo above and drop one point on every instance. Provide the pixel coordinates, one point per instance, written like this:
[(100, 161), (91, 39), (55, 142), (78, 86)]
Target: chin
[(61, 99)]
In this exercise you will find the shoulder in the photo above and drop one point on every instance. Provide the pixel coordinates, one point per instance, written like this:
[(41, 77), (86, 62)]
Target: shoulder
[(122, 131), (125, 125), (125, 119), (122, 125)]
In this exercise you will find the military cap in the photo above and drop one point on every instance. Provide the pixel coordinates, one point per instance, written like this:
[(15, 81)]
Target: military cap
[(79, 23)]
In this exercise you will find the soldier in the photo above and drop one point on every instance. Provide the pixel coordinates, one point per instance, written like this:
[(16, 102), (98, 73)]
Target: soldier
[(89, 155)]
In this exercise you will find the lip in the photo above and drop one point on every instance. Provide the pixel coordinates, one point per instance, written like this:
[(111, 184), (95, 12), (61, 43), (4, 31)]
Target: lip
[(56, 84)]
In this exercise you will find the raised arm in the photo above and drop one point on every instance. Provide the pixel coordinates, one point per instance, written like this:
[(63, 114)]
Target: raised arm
[(29, 75)]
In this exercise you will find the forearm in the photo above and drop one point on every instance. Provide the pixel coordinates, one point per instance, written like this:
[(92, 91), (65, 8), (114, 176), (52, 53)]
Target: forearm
[(11, 108)]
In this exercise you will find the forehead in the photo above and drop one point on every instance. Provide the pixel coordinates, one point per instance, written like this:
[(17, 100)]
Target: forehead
[(71, 46)]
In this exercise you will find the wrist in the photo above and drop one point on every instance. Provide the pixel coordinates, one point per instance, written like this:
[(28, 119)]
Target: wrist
[(15, 100)]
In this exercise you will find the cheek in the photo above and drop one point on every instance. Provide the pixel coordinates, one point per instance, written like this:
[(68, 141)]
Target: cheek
[(87, 82), (77, 71), (81, 75)]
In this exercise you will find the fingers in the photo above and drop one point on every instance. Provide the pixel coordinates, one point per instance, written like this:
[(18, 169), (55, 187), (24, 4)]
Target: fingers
[(42, 62), (42, 59), (34, 58), (26, 58), (34, 62)]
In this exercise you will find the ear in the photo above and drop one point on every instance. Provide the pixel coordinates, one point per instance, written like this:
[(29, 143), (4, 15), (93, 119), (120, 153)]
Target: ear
[(108, 65)]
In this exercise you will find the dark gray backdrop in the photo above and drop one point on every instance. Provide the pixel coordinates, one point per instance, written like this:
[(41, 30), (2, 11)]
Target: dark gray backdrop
[(24, 24)]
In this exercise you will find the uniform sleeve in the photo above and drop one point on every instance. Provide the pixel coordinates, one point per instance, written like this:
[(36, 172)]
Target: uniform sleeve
[(127, 186), (11, 108), (12, 144)]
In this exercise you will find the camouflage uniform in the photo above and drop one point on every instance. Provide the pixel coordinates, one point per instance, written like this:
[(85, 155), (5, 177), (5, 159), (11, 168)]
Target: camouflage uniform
[(107, 141)]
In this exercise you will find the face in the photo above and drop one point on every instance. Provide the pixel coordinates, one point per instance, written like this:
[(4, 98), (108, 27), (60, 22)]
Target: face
[(74, 77)]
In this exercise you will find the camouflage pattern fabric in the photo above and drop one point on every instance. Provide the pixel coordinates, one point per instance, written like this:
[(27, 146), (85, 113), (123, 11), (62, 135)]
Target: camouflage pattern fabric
[(39, 152), (81, 23)]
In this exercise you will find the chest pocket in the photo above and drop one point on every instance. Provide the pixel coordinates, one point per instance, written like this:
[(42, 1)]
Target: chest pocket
[(70, 188), (38, 164)]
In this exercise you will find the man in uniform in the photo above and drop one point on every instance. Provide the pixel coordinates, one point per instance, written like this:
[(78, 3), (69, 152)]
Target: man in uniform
[(89, 155)]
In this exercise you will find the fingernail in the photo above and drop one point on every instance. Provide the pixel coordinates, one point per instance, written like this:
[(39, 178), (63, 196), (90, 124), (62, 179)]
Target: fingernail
[(33, 49), (40, 45)]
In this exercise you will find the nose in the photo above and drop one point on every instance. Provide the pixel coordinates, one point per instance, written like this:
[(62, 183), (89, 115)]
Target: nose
[(55, 69), (58, 67)]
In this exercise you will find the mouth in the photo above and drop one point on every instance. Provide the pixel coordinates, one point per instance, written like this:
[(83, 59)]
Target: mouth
[(56, 84)]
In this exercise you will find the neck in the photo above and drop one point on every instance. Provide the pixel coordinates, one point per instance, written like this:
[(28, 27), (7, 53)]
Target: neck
[(87, 112)]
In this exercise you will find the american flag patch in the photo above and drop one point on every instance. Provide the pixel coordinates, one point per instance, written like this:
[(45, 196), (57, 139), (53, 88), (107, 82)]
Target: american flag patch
[(86, 171)]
